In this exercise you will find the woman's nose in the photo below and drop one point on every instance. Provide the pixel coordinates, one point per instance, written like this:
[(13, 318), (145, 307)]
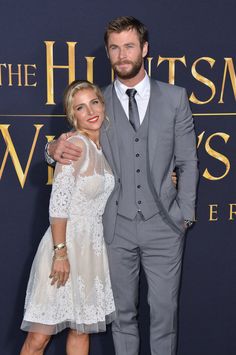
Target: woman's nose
[(90, 110)]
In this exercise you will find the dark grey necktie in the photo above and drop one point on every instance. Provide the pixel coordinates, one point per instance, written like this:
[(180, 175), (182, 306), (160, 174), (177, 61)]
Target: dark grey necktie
[(133, 109)]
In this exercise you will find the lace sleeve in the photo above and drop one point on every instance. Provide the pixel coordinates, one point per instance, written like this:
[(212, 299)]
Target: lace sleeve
[(64, 183)]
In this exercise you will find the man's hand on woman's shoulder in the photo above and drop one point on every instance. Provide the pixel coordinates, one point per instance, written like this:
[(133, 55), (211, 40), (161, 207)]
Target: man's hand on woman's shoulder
[(63, 151)]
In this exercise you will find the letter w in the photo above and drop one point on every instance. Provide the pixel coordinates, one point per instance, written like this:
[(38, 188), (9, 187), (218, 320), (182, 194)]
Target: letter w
[(10, 149)]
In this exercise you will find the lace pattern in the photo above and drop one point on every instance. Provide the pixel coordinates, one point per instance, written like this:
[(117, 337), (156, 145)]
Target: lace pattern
[(85, 303), (62, 189)]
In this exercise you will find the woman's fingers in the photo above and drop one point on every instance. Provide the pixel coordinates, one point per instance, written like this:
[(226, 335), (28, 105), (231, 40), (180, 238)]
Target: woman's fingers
[(60, 277), (66, 276)]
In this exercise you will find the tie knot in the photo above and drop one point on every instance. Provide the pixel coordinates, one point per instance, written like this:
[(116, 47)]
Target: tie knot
[(131, 92)]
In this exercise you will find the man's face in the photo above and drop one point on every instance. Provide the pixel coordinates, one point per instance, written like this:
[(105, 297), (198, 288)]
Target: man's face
[(125, 53)]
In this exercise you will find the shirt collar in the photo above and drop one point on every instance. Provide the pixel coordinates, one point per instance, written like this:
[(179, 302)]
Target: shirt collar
[(143, 87)]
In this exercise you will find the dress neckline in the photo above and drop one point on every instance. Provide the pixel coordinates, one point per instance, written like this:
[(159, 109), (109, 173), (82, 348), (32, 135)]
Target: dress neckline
[(99, 150), (95, 145)]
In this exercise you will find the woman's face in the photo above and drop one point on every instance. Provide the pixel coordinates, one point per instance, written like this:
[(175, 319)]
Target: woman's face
[(88, 110)]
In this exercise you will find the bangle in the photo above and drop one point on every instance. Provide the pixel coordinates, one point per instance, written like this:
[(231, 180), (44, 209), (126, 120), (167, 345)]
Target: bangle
[(60, 257), (59, 246)]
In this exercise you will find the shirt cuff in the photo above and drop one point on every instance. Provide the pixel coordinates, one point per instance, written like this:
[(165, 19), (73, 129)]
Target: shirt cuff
[(47, 157)]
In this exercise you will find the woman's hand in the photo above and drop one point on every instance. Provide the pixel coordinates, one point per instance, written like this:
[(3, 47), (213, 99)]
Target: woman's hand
[(60, 270)]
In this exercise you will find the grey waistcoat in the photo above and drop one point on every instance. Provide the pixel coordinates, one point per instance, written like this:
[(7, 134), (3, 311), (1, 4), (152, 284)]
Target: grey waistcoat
[(135, 192)]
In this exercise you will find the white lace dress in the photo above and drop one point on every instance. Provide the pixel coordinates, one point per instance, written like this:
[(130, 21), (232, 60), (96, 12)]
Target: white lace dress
[(85, 303)]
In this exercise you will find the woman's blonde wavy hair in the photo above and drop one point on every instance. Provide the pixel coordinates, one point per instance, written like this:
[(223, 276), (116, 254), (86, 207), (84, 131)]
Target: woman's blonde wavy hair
[(71, 90)]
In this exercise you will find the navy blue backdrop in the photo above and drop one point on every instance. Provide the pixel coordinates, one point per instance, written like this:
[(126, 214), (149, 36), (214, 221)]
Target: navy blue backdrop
[(191, 45)]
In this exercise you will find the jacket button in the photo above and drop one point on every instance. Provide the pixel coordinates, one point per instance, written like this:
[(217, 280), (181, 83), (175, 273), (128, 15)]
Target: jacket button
[(138, 171), (136, 140), (119, 180), (137, 155), (139, 202), (116, 203), (139, 186)]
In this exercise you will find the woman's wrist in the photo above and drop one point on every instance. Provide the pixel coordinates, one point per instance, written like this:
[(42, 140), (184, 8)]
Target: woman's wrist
[(59, 246), (57, 257), (60, 251)]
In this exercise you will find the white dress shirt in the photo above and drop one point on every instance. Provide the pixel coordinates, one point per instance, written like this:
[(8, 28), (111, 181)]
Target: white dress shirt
[(142, 96)]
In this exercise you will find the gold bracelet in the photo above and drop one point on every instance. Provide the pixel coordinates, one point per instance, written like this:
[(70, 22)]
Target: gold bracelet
[(59, 246), (60, 257)]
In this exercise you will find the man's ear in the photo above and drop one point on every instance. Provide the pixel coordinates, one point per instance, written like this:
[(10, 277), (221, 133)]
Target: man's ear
[(145, 49), (107, 52)]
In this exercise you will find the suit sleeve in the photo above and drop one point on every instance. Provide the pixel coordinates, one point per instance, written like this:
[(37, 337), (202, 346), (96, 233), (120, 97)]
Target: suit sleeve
[(186, 158)]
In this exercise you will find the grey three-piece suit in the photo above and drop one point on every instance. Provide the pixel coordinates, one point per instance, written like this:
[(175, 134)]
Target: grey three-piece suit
[(144, 216)]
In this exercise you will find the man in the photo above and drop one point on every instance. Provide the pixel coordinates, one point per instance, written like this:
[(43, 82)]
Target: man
[(150, 133)]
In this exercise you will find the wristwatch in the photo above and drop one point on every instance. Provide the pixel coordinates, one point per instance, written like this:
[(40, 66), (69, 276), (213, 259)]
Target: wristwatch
[(188, 223)]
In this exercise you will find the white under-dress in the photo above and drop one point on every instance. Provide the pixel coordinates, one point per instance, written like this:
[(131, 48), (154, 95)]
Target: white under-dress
[(85, 304)]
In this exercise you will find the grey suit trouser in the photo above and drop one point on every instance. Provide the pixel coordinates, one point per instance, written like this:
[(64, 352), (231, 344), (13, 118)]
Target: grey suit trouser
[(159, 249)]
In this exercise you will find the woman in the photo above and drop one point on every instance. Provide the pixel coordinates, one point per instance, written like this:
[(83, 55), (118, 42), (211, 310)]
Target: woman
[(69, 285)]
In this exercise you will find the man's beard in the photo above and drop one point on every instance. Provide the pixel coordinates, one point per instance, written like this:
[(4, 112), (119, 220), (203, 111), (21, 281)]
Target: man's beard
[(136, 66)]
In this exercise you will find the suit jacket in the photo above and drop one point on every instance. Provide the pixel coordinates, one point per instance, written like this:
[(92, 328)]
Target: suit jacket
[(171, 144)]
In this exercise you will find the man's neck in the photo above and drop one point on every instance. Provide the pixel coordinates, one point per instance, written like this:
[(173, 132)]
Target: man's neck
[(133, 81)]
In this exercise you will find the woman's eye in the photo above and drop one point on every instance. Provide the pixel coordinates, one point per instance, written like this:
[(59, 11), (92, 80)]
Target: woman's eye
[(79, 108), (95, 101)]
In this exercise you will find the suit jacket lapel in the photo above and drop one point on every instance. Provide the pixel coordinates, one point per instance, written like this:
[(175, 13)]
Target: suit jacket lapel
[(156, 107), (108, 133)]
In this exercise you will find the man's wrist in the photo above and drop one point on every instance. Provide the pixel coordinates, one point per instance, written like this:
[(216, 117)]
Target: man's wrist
[(48, 158), (188, 223)]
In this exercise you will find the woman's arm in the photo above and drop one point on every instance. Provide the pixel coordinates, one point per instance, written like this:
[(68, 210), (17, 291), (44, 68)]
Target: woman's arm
[(61, 196), (60, 264)]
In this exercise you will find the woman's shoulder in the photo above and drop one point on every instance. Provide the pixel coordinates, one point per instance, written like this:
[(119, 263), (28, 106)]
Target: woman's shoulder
[(79, 140)]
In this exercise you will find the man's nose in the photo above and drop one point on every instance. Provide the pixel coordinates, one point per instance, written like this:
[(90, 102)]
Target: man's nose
[(122, 53)]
